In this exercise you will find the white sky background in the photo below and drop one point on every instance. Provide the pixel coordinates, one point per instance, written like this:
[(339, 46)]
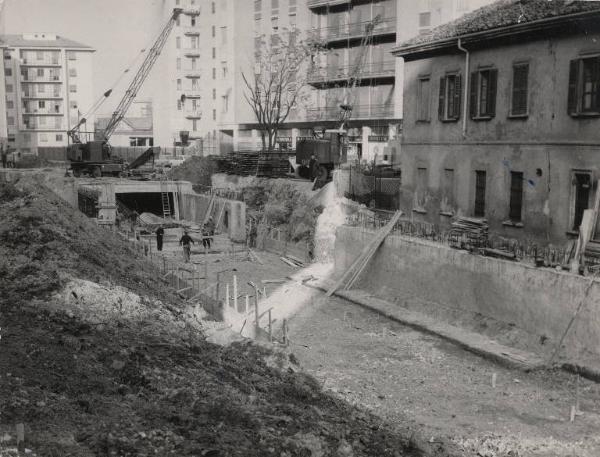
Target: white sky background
[(117, 29)]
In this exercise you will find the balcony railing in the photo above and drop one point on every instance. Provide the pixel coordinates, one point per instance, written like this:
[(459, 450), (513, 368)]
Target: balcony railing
[(42, 112), (36, 126), (195, 73), (378, 138), (193, 114), (193, 93), (333, 73), (40, 63), (353, 30), (319, 3), (358, 112), (40, 79), (42, 95)]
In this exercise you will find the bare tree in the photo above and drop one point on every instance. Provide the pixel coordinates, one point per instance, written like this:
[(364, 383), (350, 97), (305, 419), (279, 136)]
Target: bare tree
[(277, 85)]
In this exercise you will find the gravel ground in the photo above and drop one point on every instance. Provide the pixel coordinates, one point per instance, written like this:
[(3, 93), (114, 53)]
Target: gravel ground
[(408, 377)]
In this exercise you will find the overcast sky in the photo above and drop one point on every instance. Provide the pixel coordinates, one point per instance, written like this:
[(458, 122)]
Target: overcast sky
[(117, 29)]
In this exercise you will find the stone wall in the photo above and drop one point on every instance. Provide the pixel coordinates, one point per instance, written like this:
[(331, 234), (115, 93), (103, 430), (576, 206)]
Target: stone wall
[(538, 300), (232, 214)]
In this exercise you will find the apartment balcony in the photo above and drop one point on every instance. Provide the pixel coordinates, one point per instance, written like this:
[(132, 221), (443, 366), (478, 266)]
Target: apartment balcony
[(42, 112), (385, 69), (192, 93), (193, 114), (191, 52), (40, 63), (353, 30), (41, 95), (329, 113), (324, 3), (42, 79), (195, 73), (43, 128)]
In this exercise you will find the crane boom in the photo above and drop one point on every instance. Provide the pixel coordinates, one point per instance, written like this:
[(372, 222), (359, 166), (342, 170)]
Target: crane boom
[(140, 76)]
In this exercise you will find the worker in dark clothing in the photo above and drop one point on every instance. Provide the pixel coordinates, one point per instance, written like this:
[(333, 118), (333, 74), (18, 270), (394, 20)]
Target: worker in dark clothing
[(4, 153), (312, 167), (210, 230), (186, 241), (160, 232)]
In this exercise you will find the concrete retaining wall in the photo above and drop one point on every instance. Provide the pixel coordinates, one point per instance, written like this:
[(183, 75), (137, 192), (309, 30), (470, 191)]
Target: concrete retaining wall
[(233, 219), (540, 301)]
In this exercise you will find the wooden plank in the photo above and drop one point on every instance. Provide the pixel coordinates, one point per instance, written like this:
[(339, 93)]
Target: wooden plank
[(366, 254)]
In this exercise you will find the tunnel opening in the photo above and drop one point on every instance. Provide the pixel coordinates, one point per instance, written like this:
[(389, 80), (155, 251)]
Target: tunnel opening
[(145, 202)]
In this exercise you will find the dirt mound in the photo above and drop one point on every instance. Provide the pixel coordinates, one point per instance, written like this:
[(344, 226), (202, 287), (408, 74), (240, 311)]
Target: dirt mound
[(91, 365)]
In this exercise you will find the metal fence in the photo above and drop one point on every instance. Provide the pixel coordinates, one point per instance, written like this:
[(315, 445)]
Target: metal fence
[(371, 188), (520, 250)]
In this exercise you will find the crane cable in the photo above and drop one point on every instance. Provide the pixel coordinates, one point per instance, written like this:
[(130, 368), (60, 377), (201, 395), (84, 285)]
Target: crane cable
[(107, 93)]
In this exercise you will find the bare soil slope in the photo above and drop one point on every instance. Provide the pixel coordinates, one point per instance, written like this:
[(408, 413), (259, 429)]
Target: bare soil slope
[(136, 387)]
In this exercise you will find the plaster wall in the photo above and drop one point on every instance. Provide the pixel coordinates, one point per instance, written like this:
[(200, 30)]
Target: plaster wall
[(540, 301)]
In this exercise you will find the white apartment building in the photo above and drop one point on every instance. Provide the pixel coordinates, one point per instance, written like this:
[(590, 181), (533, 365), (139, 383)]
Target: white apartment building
[(46, 85), (196, 73)]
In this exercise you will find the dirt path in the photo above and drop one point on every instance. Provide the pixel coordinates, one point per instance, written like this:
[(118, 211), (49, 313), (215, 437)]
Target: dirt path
[(404, 375)]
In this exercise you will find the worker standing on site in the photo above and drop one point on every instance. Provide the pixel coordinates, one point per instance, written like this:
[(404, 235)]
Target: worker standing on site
[(160, 232), (312, 167), (210, 229), (186, 241)]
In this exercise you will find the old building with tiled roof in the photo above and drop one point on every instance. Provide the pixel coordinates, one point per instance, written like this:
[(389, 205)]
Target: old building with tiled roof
[(501, 119)]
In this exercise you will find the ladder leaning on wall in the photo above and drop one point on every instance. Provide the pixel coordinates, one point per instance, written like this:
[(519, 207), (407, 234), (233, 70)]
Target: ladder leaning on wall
[(166, 203)]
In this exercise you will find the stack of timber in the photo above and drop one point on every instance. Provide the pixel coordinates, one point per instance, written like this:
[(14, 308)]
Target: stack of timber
[(253, 163), (592, 253), (353, 273), (470, 230), (273, 165)]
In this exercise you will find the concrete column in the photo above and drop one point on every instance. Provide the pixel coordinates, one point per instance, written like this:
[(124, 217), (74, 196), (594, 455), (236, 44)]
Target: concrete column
[(237, 221)]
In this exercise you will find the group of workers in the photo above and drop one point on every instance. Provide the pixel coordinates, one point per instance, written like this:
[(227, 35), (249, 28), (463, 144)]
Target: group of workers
[(186, 241), (8, 156)]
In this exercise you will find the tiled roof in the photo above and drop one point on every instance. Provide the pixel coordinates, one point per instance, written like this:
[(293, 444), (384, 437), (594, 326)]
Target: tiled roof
[(60, 42), (503, 13)]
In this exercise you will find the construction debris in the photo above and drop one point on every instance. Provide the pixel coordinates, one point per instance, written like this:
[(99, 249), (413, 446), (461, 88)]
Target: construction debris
[(470, 230)]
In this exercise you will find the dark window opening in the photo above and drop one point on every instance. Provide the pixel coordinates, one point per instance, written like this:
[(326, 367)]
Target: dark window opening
[(516, 196), (480, 178), (583, 185), (483, 94)]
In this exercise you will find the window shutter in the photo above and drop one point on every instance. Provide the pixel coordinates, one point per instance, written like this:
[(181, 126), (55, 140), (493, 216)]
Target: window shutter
[(473, 85), (457, 97), (520, 89), (573, 80), (442, 102), (491, 99)]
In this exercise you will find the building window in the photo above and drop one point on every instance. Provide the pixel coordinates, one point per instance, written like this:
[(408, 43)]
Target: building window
[(179, 84), (214, 31), (59, 137), (223, 35), (72, 72), (178, 63), (582, 188), (292, 7), (73, 104), (519, 99), (10, 104), (423, 99), (516, 196), (42, 121), (214, 53), (72, 88), (447, 197), (212, 8), (178, 42), (214, 114), (193, 21), (179, 104), (10, 120), (177, 22), (8, 72), (40, 72), (424, 22), (225, 103), (483, 94), (39, 55), (480, 183), (584, 86), (177, 2), (214, 94), (193, 62), (9, 88), (71, 55), (194, 125), (225, 69), (41, 104), (214, 73), (257, 10), (195, 84), (450, 95), (43, 137), (194, 42), (421, 189)]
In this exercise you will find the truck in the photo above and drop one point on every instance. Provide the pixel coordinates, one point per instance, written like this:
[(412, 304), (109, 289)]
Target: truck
[(329, 152), (94, 157)]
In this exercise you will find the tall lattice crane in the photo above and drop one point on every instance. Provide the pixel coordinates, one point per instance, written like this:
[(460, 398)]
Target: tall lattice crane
[(94, 156)]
